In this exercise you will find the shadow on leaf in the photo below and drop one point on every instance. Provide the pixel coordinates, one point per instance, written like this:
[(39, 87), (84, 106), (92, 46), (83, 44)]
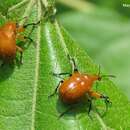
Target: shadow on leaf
[(5, 71), (66, 110)]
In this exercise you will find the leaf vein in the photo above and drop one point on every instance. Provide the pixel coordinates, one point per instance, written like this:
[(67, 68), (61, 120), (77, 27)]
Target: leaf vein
[(17, 5)]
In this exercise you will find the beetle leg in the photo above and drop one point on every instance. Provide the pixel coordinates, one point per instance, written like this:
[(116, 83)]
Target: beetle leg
[(32, 24), (63, 113), (98, 95), (90, 106), (20, 50), (55, 91), (24, 38), (94, 94), (31, 40), (60, 74), (106, 100), (21, 37)]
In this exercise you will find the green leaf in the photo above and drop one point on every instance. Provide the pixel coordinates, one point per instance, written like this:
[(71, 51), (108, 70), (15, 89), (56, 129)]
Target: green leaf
[(105, 36), (6, 4), (24, 90)]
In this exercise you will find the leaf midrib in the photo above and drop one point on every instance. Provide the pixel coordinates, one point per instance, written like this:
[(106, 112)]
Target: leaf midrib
[(34, 98), (36, 77)]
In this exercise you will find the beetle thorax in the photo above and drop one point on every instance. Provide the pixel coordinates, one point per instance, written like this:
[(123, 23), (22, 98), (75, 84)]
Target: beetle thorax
[(10, 29)]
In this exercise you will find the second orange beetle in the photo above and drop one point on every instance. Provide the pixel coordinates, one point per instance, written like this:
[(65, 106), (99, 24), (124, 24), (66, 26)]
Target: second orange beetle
[(9, 32)]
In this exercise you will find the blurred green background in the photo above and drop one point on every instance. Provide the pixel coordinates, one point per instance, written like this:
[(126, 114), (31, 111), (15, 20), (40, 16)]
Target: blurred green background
[(102, 28)]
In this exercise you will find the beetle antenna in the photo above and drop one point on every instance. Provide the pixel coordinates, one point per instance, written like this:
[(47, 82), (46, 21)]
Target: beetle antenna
[(112, 76), (32, 24)]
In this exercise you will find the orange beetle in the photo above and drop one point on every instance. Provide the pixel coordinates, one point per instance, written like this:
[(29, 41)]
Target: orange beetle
[(77, 86), (9, 32)]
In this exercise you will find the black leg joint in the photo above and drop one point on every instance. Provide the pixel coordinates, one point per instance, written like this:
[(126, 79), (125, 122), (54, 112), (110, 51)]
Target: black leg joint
[(106, 99)]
